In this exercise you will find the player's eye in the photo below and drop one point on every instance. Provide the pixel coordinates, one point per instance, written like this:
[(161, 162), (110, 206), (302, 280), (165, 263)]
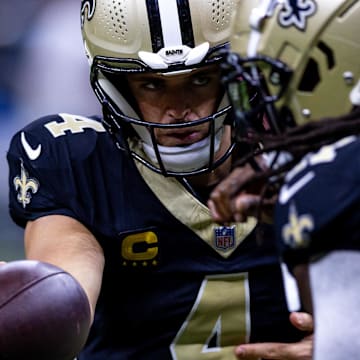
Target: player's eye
[(152, 85), (201, 80)]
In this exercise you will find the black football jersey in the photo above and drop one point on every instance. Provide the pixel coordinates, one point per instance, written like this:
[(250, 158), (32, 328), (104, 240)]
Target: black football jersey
[(318, 208), (176, 285)]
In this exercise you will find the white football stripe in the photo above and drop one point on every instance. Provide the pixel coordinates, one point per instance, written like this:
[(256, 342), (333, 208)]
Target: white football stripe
[(170, 22), (291, 289)]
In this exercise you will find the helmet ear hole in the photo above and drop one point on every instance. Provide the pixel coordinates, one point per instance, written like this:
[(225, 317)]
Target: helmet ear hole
[(310, 78), (329, 54)]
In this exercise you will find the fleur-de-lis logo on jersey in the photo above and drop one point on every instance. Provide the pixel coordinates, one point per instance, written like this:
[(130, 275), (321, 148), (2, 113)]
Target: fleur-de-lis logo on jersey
[(296, 232), (25, 186), (296, 12), (90, 5)]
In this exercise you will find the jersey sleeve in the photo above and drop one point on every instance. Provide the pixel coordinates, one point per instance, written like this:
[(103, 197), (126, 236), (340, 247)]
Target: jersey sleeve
[(318, 208), (43, 159)]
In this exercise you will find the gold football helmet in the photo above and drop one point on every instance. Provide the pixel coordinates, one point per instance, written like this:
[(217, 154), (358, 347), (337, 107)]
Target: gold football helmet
[(301, 56), (163, 37)]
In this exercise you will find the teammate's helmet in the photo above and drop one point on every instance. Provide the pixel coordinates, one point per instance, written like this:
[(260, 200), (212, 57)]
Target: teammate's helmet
[(159, 36), (303, 57)]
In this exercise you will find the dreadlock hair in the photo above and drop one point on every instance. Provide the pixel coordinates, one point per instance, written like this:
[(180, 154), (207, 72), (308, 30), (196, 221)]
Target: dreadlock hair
[(297, 142)]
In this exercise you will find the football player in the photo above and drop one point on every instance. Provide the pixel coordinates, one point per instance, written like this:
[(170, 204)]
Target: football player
[(119, 201), (302, 59)]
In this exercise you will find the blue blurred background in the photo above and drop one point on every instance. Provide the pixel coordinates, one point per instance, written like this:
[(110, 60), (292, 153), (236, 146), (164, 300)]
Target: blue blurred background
[(43, 70)]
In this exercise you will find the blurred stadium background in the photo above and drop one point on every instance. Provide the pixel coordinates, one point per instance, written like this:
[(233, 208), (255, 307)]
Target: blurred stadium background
[(43, 70)]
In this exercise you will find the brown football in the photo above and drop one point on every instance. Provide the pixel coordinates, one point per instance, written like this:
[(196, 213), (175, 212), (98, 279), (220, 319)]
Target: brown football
[(44, 313)]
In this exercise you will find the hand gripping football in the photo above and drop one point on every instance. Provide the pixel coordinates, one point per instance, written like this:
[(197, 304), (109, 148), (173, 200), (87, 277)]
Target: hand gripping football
[(44, 313)]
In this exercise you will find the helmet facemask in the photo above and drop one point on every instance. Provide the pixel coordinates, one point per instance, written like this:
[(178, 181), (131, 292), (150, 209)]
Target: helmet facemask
[(137, 136), (254, 85), (180, 36)]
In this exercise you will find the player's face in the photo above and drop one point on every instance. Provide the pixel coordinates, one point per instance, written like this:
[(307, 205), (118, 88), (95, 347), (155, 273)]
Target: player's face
[(176, 99)]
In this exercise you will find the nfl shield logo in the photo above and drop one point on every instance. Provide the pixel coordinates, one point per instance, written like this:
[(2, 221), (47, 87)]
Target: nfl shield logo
[(225, 237)]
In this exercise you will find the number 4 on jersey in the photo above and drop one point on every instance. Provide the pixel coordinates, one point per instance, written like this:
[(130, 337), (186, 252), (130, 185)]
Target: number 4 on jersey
[(219, 320)]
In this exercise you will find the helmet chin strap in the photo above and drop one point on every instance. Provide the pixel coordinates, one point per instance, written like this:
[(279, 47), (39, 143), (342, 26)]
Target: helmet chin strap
[(174, 158)]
